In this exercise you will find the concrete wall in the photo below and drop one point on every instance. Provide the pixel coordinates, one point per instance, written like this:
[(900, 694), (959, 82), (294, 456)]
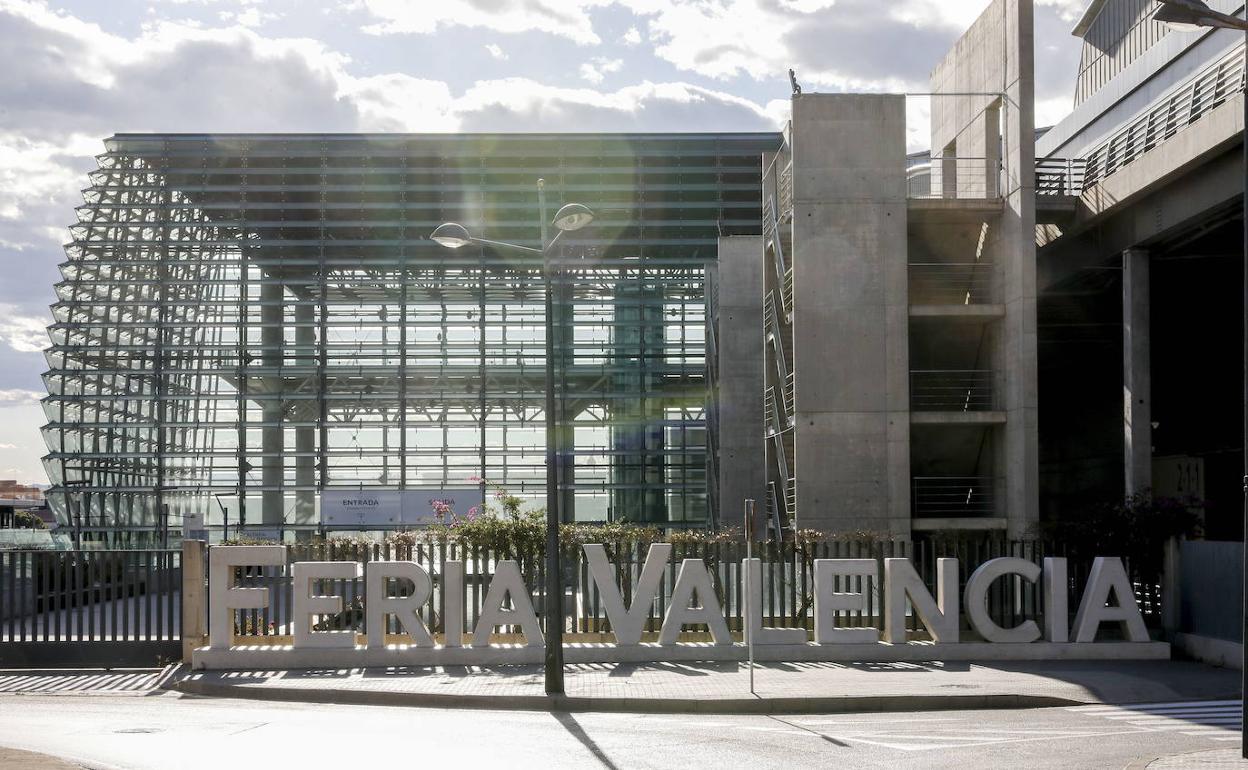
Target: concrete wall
[(850, 312), (1211, 580), (742, 463), (995, 58)]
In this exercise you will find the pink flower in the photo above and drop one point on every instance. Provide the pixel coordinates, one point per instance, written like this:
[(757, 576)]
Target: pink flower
[(475, 479)]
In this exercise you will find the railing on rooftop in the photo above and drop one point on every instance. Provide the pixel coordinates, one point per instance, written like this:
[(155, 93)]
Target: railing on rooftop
[(956, 178), (1181, 107)]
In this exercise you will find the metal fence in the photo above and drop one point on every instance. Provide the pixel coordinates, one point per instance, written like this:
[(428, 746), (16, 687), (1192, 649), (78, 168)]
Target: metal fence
[(1211, 579), (787, 583), (90, 607)]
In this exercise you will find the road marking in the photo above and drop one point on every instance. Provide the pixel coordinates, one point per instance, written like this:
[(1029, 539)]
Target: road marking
[(886, 740), (1219, 720)]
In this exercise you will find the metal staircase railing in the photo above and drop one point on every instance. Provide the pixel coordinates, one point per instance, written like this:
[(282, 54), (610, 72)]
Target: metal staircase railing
[(778, 517), (772, 324), (784, 273), (790, 402)]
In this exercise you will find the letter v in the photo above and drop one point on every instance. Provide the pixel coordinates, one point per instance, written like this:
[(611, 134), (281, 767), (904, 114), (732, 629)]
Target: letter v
[(627, 624)]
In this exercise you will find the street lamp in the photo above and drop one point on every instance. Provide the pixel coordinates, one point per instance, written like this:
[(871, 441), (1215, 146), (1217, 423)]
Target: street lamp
[(1189, 15), (452, 235)]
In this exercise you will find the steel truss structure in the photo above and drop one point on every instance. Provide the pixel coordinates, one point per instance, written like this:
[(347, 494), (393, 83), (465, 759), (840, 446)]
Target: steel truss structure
[(258, 318)]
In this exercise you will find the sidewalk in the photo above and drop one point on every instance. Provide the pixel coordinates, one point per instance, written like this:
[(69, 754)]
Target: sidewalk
[(13, 759), (724, 687), (1205, 759)]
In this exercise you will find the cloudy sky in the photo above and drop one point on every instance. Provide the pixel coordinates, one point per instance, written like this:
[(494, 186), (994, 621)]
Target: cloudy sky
[(77, 71)]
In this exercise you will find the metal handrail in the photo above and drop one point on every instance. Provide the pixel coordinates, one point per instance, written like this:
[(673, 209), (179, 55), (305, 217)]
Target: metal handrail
[(1060, 176), (953, 496), (1184, 105), (960, 178), (772, 324), (952, 390), (951, 283)]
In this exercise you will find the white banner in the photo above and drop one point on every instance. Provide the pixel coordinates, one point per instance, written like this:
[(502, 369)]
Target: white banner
[(413, 507), (418, 503), (361, 507)]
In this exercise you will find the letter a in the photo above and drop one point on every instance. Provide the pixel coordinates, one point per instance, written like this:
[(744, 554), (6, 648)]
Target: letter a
[(694, 579)]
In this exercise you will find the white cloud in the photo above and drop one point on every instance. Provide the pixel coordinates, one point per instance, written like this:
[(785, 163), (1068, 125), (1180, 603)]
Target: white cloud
[(400, 103), (1068, 10), (19, 397), (520, 104), (596, 69), (23, 333), (763, 38), (249, 17), (632, 36), (34, 171), (563, 18), (496, 52)]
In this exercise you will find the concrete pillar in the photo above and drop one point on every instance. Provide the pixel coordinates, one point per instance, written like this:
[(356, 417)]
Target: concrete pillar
[(305, 437), (1137, 399), (851, 313), (272, 437), (194, 597), (742, 465), (948, 172)]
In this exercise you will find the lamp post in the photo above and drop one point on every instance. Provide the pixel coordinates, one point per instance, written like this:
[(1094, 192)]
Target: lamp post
[(572, 216), (1190, 15)]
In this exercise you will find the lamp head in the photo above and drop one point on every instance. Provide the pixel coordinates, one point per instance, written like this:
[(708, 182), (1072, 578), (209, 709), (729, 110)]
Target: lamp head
[(573, 216), (1189, 15), (451, 235)]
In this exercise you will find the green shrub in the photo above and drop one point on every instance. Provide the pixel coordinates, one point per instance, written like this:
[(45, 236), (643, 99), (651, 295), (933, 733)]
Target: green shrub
[(27, 520)]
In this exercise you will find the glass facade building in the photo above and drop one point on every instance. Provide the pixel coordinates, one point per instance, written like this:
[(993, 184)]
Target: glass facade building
[(247, 321)]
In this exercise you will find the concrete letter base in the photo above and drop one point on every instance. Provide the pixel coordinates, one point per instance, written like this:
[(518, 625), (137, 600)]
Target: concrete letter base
[(276, 657)]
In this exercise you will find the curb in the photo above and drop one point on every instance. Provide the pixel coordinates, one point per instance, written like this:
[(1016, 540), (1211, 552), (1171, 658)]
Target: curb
[(787, 705)]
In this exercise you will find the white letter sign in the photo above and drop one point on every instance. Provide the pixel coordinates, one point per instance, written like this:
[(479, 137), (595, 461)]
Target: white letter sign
[(507, 582), (1108, 576), (224, 598), (694, 580), (829, 601), (627, 624), (379, 606), (304, 575), (977, 600), (940, 617), (753, 571)]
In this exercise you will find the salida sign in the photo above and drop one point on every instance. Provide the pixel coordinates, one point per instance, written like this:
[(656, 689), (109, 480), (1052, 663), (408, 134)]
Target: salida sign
[(1107, 598)]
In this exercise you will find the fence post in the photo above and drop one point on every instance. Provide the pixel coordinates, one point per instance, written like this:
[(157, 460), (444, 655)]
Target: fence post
[(194, 598), (1171, 607)]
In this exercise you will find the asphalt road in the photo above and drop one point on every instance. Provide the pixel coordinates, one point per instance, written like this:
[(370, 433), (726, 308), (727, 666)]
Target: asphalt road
[(167, 730)]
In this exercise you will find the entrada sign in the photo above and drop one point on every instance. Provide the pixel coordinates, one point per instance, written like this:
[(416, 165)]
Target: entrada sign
[(1107, 598)]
